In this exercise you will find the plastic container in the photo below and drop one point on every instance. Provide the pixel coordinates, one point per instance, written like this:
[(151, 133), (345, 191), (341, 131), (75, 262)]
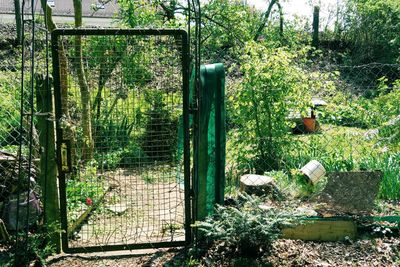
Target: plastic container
[(314, 171)]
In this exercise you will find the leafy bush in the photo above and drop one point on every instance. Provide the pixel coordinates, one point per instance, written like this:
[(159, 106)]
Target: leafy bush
[(372, 27), (127, 156), (160, 136), (247, 229), (87, 185), (9, 109), (273, 86), (132, 154), (352, 114), (110, 160), (113, 134)]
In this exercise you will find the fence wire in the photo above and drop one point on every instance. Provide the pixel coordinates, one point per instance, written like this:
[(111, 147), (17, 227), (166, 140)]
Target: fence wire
[(21, 208), (124, 186), (329, 153)]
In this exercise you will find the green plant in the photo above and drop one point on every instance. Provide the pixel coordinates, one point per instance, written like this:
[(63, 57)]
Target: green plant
[(247, 229), (160, 135), (273, 86), (113, 134), (109, 160), (351, 114), (389, 164), (9, 111), (371, 28), (87, 185), (37, 247), (133, 154)]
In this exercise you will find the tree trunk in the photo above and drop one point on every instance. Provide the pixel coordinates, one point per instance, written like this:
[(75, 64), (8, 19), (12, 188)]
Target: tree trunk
[(88, 144), (264, 19), (280, 19), (63, 64)]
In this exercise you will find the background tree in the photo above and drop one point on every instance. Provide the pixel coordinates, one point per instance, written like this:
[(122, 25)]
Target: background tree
[(372, 29), (88, 144)]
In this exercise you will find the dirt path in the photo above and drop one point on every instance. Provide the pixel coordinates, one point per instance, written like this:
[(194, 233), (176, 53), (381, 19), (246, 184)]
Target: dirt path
[(138, 209)]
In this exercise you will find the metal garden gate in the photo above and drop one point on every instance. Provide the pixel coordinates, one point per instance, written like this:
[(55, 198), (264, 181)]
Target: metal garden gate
[(122, 122)]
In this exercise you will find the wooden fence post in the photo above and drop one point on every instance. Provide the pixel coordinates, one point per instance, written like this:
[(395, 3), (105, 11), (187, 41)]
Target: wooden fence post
[(315, 37), (48, 166)]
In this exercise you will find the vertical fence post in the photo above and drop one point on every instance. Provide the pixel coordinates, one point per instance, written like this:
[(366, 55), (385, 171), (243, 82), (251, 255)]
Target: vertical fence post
[(18, 20), (48, 166), (315, 37)]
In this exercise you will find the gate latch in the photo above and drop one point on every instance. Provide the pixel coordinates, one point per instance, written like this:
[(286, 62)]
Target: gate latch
[(66, 156)]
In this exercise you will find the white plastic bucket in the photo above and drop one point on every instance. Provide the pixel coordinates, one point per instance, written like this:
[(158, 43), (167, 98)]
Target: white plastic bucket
[(314, 171)]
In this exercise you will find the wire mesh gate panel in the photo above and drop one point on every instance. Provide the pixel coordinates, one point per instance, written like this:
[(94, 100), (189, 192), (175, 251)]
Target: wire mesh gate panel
[(122, 118)]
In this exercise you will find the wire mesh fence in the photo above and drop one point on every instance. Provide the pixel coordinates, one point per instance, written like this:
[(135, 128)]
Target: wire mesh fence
[(124, 138), (22, 211), (329, 151)]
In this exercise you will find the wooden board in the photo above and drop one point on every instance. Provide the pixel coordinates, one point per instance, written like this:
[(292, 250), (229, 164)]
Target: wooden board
[(322, 230)]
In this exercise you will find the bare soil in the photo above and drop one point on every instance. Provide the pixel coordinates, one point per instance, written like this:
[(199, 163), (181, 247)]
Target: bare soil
[(139, 208), (363, 252)]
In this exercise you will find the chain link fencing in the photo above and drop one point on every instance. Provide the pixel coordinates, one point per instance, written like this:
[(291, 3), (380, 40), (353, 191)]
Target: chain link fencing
[(341, 149), (21, 206)]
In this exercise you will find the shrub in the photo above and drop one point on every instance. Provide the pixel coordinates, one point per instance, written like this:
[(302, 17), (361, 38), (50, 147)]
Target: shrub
[(113, 134), (273, 86), (9, 109), (247, 229), (132, 154), (160, 136)]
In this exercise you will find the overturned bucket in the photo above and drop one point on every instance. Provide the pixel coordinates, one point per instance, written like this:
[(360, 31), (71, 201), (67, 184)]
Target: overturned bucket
[(314, 171)]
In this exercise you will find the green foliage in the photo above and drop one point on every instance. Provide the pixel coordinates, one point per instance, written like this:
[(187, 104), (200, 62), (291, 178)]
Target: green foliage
[(132, 154), (372, 27), (9, 109), (273, 86), (361, 112), (87, 185), (160, 136), (109, 160), (227, 24), (37, 247), (294, 184), (247, 229), (139, 13), (389, 164), (113, 134), (351, 114)]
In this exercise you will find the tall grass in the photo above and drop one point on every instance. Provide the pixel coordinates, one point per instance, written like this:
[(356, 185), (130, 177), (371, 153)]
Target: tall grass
[(389, 164)]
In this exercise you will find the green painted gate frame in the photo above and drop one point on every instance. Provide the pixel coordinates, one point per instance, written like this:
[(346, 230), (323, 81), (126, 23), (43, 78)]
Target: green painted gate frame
[(60, 141)]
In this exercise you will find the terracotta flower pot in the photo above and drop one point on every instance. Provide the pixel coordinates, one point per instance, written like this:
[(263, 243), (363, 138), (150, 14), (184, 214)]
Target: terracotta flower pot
[(309, 125)]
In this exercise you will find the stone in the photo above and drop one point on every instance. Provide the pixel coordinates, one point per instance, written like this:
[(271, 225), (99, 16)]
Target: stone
[(259, 185), (11, 217), (118, 209)]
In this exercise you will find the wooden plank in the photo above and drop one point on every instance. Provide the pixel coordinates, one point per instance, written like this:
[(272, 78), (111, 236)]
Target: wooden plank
[(322, 230)]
